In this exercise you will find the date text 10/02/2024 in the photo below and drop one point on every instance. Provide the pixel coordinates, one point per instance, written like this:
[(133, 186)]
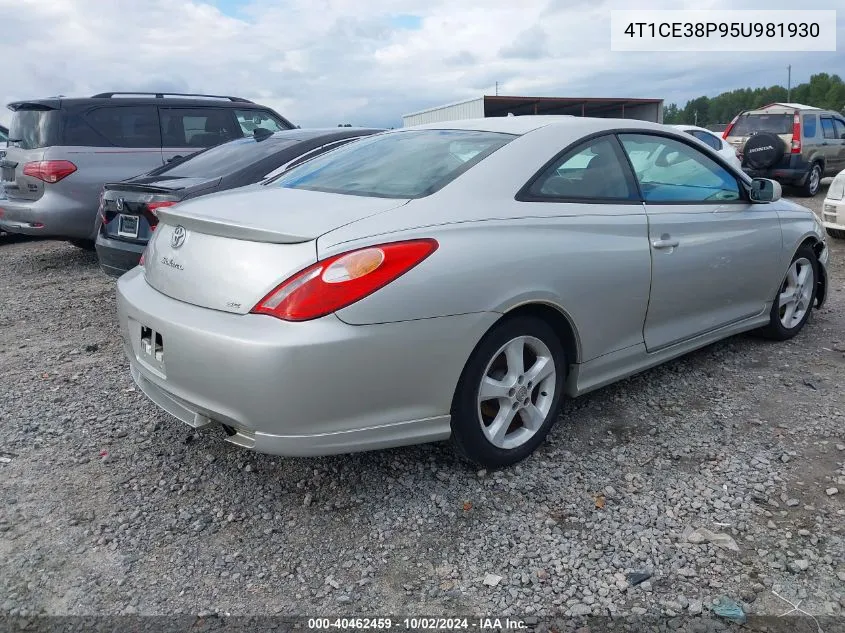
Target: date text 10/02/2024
[(416, 624)]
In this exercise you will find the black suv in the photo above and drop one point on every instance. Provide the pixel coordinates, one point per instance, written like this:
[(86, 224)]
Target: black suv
[(62, 151)]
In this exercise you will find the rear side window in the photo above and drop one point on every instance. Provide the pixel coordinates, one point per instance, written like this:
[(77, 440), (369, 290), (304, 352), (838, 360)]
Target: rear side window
[(34, 129), (840, 128), (122, 126), (227, 158), (827, 128), (197, 127), (251, 120), (593, 171), (810, 125), (709, 139), (409, 164), (752, 123)]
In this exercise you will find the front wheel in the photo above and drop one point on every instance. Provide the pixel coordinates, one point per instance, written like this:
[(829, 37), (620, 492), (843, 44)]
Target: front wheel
[(509, 393), (794, 300)]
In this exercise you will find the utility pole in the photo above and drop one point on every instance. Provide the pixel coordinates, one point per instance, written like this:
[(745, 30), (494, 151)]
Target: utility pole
[(789, 83), (695, 116), (497, 88)]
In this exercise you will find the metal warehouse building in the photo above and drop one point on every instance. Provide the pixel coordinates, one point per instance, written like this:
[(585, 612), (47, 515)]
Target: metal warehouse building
[(490, 106)]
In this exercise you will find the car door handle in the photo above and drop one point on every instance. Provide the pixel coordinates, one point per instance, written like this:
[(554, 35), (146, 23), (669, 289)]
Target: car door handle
[(665, 242)]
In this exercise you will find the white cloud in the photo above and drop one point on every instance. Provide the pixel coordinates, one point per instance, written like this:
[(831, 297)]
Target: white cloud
[(324, 62)]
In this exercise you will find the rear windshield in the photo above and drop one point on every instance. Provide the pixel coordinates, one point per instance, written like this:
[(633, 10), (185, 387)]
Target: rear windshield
[(228, 158), (774, 123), (396, 165), (34, 129)]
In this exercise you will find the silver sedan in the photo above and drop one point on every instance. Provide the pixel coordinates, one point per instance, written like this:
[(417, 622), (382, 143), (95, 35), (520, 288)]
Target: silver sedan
[(456, 281)]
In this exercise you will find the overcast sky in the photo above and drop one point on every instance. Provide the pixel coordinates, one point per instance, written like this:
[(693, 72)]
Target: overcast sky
[(367, 62)]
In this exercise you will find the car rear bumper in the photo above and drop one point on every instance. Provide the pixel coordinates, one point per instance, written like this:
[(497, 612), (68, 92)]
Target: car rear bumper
[(786, 176), (52, 215), (833, 214), (311, 388), (117, 257)]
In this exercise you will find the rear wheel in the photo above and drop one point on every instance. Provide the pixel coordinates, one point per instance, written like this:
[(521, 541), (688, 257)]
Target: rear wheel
[(509, 393), (837, 234), (794, 300), (813, 182)]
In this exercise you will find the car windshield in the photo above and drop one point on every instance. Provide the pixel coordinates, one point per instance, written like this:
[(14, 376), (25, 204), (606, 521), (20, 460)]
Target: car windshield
[(227, 158), (407, 164), (774, 123)]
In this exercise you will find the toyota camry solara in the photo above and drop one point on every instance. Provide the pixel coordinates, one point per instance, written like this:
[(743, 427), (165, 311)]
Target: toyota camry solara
[(456, 281)]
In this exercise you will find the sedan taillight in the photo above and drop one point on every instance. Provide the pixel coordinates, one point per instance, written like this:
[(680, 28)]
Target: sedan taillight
[(340, 281)]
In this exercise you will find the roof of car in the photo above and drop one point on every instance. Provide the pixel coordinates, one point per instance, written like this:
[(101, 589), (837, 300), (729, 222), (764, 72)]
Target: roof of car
[(55, 103), (303, 134), (524, 124)]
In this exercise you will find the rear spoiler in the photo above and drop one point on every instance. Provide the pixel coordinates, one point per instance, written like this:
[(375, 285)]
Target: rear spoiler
[(46, 104), (214, 226), (124, 186)]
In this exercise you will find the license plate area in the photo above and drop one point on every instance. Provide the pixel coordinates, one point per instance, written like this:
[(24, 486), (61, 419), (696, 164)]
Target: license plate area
[(127, 226), (151, 349), (9, 174)]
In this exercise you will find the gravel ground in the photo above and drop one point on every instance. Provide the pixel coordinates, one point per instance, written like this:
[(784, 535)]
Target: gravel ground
[(716, 474)]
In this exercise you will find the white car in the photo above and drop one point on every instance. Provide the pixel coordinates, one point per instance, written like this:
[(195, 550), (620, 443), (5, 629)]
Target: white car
[(713, 140), (833, 209)]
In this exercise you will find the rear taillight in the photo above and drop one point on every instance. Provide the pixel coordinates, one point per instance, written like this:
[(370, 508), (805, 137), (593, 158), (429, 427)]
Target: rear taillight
[(102, 208), (49, 170), (796, 133), (153, 207), (339, 281), (728, 129)]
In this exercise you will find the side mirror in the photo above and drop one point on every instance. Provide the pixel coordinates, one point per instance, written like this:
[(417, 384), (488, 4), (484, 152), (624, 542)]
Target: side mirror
[(765, 190)]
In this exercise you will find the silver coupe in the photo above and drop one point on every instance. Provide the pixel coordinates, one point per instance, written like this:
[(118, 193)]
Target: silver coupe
[(456, 281)]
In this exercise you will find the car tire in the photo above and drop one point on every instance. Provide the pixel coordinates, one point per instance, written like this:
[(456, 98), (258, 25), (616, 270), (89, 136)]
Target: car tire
[(837, 234), (800, 279), (507, 427), (86, 245), (813, 181)]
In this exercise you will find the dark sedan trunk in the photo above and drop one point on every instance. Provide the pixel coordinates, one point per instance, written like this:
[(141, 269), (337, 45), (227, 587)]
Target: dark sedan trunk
[(129, 208)]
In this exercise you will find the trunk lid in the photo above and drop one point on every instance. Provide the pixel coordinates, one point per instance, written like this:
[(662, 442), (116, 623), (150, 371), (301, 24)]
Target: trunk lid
[(226, 251), (33, 130)]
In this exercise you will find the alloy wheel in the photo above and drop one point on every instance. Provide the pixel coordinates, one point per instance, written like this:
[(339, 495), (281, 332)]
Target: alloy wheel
[(516, 392), (796, 293)]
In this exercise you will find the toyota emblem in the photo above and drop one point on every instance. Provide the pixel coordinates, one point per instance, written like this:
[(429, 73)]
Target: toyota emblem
[(120, 202), (178, 237)]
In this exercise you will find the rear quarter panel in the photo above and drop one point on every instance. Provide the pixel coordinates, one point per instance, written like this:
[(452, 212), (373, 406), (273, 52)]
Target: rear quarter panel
[(595, 270), (95, 167)]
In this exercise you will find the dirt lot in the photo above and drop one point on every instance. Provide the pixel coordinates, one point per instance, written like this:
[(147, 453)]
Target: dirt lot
[(108, 505)]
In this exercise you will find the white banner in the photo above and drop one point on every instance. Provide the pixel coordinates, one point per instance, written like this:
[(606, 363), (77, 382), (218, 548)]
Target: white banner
[(723, 31)]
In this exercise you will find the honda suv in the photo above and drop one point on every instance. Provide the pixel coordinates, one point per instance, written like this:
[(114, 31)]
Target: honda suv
[(61, 152), (792, 143)]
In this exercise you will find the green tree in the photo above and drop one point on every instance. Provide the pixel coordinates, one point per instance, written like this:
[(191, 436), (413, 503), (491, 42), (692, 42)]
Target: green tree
[(822, 91)]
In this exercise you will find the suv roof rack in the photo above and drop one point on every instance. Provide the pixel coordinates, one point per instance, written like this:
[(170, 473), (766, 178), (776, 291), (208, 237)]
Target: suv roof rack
[(162, 95)]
